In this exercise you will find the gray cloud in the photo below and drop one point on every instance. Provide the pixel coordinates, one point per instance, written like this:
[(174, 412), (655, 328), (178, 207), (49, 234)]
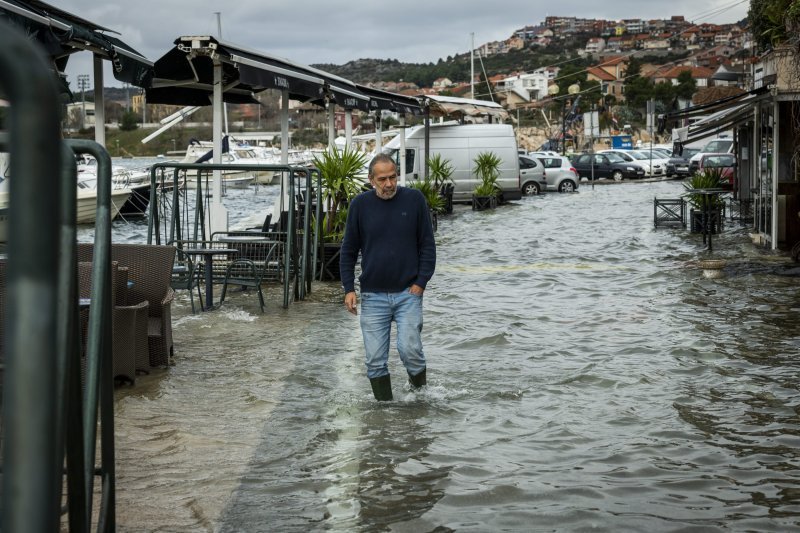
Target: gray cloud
[(313, 31)]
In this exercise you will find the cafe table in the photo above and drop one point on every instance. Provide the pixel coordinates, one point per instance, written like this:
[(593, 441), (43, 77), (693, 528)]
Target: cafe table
[(208, 255)]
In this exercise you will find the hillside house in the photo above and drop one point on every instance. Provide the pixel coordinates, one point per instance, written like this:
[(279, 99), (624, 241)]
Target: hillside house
[(611, 76), (701, 75), (595, 45), (442, 83)]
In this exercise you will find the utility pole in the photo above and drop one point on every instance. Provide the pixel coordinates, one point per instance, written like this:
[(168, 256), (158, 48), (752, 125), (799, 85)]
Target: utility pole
[(83, 84)]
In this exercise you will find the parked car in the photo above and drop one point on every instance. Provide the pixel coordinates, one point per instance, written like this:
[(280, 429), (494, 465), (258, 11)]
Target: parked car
[(636, 157), (606, 165), (546, 153), (720, 145), (678, 165), (531, 176), (725, 162), (559, 173)]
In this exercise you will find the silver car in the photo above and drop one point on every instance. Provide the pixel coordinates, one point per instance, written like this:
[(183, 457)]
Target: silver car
[(531, 176), (547, 173), (561, 176)]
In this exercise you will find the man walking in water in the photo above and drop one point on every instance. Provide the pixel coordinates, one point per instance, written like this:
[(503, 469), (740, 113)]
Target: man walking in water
[(391, 227)]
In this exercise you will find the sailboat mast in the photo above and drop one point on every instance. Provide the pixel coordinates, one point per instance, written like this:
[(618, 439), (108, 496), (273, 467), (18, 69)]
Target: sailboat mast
[(472, 66)]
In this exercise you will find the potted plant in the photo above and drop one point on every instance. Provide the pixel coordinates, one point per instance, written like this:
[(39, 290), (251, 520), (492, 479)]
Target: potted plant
[(487, 169), (338, 169), (702, 205), (440, 170), (436, 203)]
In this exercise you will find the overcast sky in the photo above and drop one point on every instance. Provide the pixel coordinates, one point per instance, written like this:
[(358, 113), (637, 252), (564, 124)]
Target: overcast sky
[(315, 31)]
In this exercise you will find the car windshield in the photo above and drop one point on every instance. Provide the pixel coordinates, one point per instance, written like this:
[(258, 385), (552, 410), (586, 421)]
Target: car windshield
[(637, 155), (718, 146), (614, 158), (689, 152)]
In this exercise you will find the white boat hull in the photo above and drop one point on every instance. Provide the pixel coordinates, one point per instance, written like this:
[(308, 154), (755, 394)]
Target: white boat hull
[(87, 204), (238, 182)]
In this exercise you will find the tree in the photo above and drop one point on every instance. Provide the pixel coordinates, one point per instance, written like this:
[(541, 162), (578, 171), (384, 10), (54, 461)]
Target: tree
[(129, 121), (638, 89), (773, 22), (687, 85)]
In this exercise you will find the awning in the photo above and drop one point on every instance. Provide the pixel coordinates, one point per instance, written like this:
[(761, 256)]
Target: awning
[(448, 105), (61, 34), (734, 112), (380, 100), (185, 74), (711, 107)]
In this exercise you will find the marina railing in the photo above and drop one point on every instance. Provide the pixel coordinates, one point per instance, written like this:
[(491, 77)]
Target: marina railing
[(45, 417), (179, 227)]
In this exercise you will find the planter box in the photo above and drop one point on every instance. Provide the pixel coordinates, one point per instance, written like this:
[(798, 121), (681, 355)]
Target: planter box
[(447, 193), (715, 221), (480, 203), (328, 261)]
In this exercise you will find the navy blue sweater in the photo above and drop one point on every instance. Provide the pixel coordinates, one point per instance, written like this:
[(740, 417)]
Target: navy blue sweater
[(395, 239)]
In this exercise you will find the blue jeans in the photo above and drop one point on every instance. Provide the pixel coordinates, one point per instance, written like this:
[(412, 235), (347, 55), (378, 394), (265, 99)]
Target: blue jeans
[(378, 309)]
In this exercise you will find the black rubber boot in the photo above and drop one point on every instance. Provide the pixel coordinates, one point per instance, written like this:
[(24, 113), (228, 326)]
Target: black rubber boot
[(382, 388), (419, 380)]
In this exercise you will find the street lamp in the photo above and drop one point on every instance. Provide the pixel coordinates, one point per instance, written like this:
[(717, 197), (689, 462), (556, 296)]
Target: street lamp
[(572, 89), (83, 84)]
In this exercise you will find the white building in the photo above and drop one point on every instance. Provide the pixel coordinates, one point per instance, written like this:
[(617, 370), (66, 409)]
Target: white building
[(595, 45), (528, 87)]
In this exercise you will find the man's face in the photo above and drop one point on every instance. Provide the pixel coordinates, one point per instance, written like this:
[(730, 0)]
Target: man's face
[(384, 180)]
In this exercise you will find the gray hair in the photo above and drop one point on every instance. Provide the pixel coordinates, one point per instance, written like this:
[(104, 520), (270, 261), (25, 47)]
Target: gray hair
[(380, 158)]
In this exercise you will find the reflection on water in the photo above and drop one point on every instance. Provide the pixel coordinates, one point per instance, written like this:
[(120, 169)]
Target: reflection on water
[(583, 374)]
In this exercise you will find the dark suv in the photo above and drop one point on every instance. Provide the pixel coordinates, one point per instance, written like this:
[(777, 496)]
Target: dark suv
[(606, 166)]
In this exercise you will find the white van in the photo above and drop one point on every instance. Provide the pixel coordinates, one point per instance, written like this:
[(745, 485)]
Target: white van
[(460, 144)]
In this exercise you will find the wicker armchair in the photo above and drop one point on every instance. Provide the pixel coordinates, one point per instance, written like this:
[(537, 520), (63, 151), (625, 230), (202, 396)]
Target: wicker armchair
[(129, 344), (150, 270)]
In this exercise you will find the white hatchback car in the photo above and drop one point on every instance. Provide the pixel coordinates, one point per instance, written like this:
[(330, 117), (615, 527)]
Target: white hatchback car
[(547, 173)]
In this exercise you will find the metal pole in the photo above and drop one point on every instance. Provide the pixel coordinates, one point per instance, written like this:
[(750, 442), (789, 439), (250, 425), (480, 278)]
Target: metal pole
[(775, 166), (331, 126), (402, 150), (31, 465), (564, 128), (99, 103), (378, 132), (348, 127), (427, 136), (218, 214)]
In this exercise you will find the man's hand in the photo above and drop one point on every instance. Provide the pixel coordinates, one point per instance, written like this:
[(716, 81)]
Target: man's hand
[(350, 302), (416, 289)]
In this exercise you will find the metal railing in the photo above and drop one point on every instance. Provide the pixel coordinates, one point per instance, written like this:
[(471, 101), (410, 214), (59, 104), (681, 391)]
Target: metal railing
[(45, 418), (299, 253)]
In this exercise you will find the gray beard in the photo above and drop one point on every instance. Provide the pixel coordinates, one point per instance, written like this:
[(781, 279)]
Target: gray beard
[(384, 196)]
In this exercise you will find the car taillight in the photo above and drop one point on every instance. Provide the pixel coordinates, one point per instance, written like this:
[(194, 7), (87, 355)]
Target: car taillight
[(573, 170)]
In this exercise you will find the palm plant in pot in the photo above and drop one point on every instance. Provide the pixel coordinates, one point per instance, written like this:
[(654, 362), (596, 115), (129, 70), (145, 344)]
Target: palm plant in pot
[(487, 169), (704, 204), (436, 203), (338, 170), (440, 171)]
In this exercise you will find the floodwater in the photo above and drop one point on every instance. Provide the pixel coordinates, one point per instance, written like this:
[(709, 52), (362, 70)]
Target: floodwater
[(583, 375)]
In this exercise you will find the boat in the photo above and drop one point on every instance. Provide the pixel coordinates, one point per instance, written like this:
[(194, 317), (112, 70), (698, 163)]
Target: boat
[(87, 201), (201, 152)]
